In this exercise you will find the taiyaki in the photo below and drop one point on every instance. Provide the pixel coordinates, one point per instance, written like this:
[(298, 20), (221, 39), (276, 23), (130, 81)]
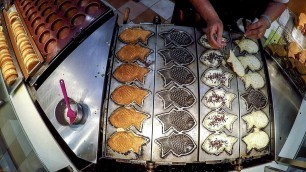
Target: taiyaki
[(250, 61), (216, 98), (254, 80), (125, 141), (179, 97), (216, 78), (179, 55), (179, 120), (247, 45), (236, 64), (204, 42), (216, 143), (258, 140), (211, 58), (127, 94), (134, 35), (219, 119), (254, 99), (257, 119), (130, 53), (178, 74), (178, 144), (127, 73), (125, 117), (176, 37)]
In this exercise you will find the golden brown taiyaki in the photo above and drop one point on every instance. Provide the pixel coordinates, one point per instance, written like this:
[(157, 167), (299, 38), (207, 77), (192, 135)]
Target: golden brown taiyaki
[(127, 94), (129, 72), (133, 35), (124, 117), (130, 53)]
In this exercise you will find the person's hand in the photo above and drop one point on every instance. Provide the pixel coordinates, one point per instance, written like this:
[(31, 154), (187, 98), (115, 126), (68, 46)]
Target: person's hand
[(257, 30), (214, 33)]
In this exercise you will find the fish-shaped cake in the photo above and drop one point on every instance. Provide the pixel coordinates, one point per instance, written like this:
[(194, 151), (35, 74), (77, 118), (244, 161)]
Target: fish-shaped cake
[(247, 45), (134, 35), (216, 98), (253, 79), (257, 119), (176, 37), (250, 61), (211, 58), (178, 97), (179, 55), (179, 120), (257, 140), (133, 52), (125, 141), (178, 74), (219, 119), (216, 78), (254, 99), (216, 143), (127, 94), (204, 42), (130, 72), (178, 144), (235, 64), (125, 117)]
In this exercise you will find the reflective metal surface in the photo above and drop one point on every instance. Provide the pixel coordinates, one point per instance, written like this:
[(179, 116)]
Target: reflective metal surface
[(84, 74)]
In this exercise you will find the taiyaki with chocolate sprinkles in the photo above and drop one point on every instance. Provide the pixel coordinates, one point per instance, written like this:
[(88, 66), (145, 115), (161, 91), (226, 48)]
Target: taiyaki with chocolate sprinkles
[(257, 119), (216, 143), (257, 140), (176, 38), (128, 94), (125, 141), (178, 55), (211, 58), (216, 78), (134, 35), (216, 98), (177, 74), (178, 97), (204, 42), (130, 72), (254, 99), (131, 53), (218, 120), (178, 120), (125, 117), (178, 144)]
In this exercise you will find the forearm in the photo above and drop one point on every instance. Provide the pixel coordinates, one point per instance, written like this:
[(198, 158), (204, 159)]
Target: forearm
[(205, 9), (274, 10)]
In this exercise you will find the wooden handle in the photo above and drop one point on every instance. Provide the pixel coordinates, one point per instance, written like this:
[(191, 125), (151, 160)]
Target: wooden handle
[(126, 15)]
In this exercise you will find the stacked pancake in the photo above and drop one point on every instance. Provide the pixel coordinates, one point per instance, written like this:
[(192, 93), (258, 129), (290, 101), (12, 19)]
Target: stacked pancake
[(6, 62), (29, 58)]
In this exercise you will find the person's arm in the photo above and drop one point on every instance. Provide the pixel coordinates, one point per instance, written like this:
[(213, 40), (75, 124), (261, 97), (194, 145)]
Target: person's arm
[(214, 28), (258, 29)]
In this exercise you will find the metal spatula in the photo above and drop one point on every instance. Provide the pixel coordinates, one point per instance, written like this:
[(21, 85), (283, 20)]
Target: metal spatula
[(70, 113)]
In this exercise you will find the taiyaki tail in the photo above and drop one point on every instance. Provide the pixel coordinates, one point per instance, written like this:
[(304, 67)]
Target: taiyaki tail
[(141, 94), (165, 73), (229, 148), (166, 98), (229, 77), (139, 118), (141, 74), (138, 142), (165, 147), (164, 119), (232, 119), (166, 56), (230, 98)]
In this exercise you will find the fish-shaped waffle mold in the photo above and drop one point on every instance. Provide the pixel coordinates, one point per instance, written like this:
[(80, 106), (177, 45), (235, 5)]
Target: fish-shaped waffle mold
[(179, 120), (127, 94), (212, 58), (216, 98), (176, 37), (216, 143), (178, 74), (204, 42), (254, 80), (125, 141), (178, 97), (130, 72), (125, 117), (178, 144), (216, 78), (179, 55), (254, 99), (133, 52), (247, 45), (257, 119), (250, 62), (134, 35), (257, 140), (219, 119)]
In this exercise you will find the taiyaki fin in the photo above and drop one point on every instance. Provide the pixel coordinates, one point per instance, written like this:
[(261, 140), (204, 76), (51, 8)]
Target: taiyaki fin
[(165, 96), (165, 73), (230, 97)]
